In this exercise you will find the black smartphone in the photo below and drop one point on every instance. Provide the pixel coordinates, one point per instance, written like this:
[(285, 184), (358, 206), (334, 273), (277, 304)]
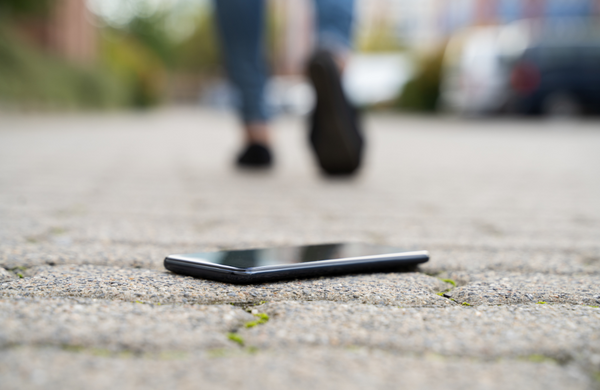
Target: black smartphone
[(273, 264)]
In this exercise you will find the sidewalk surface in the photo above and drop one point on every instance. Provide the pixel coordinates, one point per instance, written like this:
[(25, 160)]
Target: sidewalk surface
[(91, 204)]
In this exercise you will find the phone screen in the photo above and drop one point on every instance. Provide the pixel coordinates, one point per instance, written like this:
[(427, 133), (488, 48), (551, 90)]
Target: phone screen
[(290, 255)]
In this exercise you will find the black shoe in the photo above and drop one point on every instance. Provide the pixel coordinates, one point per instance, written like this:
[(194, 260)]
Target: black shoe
[(255, 156), (335, 130)]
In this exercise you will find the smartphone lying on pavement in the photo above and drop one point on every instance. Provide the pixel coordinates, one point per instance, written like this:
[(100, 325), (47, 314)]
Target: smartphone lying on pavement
[(273, 264)]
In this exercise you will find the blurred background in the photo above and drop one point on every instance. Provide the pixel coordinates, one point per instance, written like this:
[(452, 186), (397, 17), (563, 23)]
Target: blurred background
[(470, 57)]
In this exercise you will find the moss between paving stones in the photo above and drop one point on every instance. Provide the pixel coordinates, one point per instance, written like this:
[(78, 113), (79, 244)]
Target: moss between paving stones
[(561, 332), (117, 326)]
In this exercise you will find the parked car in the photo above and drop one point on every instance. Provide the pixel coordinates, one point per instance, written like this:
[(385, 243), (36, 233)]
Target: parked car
[(474, 77), (532, 67)]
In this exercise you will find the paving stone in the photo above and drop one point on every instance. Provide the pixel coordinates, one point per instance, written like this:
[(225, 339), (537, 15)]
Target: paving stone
[(117, 326), (299, 368), (130, 284), (561, 332), (501, 288), (509, 212), (134, 255), (6, 275), (473, 259)]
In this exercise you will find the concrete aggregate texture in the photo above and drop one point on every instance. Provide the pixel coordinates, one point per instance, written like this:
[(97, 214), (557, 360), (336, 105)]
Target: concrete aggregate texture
[(91, 204)]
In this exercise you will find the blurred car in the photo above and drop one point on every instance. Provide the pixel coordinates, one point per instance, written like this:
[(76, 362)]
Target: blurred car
[(474, 76), (533, 67)]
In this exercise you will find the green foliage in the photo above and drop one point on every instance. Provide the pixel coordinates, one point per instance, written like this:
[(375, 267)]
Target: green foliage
[(421, 93), (137, 67), (379, 38), (24, 7), (466, 304), (30, 77), (150, 34), (199, 52), (541, 303)]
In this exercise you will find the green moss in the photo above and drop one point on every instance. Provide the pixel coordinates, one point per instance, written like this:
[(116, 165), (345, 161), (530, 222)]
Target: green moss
[(72, 348), (101, 352), (466, 304), (17, 269), (452, 282), (593, 307), (440, 294), (262, 319), (57, 230), (236, 338), (537, 358), (541, 303)]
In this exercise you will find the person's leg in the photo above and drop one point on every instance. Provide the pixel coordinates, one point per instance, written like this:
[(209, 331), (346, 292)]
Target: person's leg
[(241, 29), (334, 24), (335, 132)]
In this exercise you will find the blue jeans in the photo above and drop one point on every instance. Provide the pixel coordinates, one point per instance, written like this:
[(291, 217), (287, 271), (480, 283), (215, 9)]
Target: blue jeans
[(241, 28)]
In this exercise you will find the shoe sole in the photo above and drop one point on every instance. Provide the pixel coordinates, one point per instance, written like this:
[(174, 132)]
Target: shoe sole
[(335, 140)]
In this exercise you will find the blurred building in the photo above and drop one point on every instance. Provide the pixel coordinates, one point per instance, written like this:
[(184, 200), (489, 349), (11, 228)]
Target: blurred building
[(72, 32), (424, 23), (293, 21), (67, 30)]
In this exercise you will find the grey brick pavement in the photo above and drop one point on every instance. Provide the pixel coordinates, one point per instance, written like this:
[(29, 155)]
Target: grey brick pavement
[(91, 204)]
